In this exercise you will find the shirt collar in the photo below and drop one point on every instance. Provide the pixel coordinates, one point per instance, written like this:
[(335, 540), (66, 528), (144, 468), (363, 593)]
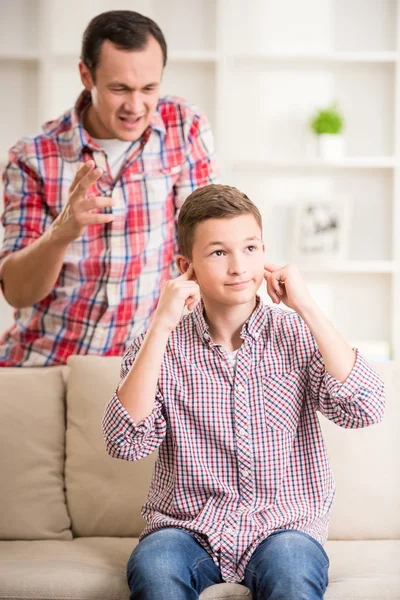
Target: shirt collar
[(81, 138), (252, 327)]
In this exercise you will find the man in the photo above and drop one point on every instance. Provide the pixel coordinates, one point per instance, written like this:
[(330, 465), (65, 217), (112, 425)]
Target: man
[(91, 203)]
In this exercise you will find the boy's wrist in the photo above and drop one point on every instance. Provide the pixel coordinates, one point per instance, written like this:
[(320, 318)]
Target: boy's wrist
[(312, 315), (159, 326), (308, 309)]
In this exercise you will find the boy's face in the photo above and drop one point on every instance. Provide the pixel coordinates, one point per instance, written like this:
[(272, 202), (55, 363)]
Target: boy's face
[(228, 259)]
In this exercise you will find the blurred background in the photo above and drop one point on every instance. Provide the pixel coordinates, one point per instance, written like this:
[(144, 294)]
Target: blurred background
[(303, 97)]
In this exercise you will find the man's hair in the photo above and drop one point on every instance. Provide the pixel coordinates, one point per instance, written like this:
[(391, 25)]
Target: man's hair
[(211, 202), (126, 29)]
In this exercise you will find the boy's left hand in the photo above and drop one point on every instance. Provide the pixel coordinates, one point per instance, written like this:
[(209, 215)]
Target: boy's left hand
[(285, 284)]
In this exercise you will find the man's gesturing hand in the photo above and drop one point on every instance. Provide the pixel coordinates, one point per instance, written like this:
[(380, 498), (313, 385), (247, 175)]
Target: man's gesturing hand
[(175, 295), (80, 210)]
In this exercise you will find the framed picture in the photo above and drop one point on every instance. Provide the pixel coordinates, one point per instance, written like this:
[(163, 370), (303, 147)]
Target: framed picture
[(321, 229)]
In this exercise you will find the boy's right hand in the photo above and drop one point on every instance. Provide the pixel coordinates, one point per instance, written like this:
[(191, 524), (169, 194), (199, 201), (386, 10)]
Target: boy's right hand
[(175, 295)]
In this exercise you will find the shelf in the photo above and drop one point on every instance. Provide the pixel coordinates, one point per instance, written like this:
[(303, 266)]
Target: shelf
[(174, 56), (377, 162), (19, 56), (356, 163), (334, 57), (377, 267), (199, 57)]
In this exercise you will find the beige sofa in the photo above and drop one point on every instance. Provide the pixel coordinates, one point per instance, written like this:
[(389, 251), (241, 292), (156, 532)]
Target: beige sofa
[(70, 514)]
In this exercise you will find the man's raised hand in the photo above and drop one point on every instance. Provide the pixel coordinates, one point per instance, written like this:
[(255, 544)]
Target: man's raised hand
[(80, 210)]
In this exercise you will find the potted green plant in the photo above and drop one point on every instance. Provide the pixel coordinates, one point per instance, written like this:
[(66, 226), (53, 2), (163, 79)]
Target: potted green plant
[(328, 124)]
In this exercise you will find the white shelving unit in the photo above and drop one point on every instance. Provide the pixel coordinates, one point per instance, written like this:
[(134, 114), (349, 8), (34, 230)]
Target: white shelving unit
[(259, 70)]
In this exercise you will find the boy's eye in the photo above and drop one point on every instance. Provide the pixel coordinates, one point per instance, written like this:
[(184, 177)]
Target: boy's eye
[(251, 248), (218, 252)]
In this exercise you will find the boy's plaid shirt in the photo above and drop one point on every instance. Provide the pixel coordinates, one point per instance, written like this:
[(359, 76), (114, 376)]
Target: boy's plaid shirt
[(241, 454), (111, 278)]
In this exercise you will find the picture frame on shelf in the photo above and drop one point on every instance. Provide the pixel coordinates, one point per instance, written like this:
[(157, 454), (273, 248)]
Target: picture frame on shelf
[(321, 228)]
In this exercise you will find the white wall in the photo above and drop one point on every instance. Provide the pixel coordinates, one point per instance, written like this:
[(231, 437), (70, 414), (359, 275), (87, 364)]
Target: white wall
[(258, 69)]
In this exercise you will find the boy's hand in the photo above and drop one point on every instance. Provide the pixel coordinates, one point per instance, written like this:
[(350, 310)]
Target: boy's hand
[(175, 295), (286, 284)]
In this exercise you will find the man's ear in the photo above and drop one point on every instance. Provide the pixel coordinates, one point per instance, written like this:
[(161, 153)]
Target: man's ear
[(182, 263), (86, 76)]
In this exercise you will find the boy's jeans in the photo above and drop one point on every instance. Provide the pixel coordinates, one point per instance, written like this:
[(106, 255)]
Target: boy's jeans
[(170, 564)]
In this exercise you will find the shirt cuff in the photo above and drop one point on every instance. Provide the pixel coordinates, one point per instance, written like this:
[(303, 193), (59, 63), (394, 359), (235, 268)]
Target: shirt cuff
[(360, 373), (120, 428)]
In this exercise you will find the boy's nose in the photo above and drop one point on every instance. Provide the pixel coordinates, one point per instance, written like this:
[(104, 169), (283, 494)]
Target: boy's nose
[(236, 269)]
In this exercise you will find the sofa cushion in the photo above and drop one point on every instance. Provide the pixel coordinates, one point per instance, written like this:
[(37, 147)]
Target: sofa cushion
[(366, 466), (363, 570), (84, 569), (104, 495), (95, 569), (32, 448)]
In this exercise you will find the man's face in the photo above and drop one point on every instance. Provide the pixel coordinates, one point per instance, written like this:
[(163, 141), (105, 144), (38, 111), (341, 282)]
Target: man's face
[(228, 259), (125, 92)]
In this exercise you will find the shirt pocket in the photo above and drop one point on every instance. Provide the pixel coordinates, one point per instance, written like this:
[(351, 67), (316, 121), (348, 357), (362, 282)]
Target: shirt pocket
[(283, 396), (151, 196), (160, 178)]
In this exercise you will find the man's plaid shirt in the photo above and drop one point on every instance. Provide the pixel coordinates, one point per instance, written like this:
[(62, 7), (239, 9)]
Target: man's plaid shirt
[(111, 278)]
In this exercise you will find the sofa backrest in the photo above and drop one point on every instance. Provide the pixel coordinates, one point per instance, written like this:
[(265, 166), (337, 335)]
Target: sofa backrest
[(104, 495), (366, 466), (32, 449)]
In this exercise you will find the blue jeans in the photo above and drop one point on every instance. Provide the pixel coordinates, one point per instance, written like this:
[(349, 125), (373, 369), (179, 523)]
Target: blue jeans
[(170, 564)]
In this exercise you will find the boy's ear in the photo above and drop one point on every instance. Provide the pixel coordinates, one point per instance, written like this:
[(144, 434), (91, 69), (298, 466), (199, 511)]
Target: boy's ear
[(182, 263)]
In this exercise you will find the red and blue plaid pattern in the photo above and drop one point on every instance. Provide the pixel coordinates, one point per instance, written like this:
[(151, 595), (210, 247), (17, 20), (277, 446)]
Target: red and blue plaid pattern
[(110, 282), (241, 454)]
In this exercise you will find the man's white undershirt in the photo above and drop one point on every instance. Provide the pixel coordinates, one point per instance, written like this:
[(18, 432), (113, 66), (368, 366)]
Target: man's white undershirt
[(116, 151)]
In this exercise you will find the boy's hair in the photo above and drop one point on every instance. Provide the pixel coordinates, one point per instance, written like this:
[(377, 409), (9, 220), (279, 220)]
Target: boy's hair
[(211, 202), (127, 29)]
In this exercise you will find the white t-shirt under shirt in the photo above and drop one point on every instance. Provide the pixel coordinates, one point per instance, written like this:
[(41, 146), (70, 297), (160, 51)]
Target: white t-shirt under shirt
[(116, 151), (232, 359)]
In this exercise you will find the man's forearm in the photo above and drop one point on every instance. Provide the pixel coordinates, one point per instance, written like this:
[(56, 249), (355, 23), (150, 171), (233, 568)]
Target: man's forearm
[(338, 357), (29, 274), (137, 392)]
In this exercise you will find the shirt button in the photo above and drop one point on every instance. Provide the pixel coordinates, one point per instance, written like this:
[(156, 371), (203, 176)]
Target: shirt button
[(242, 432), (245, 473), (240, 388)]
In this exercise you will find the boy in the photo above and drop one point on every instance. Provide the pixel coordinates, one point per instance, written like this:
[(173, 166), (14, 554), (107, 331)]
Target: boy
[(242, 489)]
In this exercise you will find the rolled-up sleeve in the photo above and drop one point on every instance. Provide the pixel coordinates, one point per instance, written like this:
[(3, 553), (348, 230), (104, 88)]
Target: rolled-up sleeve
[(124, 437), (357, 402), (25, 216)]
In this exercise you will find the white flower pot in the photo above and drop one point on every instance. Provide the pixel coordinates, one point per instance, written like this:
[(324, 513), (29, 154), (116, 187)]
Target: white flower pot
[(331, 146)]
